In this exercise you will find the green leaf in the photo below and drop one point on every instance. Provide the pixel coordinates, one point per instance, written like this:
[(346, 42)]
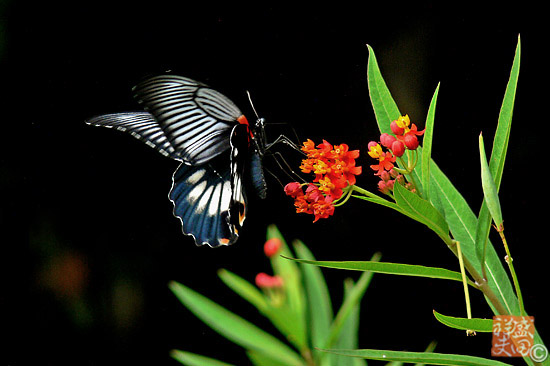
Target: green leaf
[(233, 327), (421, 210), (430, 349), (383, 105), (348, 338), (500, 147), (476, 324), (292, 277), (319, 304), (192, 359), (244, 288), (280, 316), (424, 357), (352, 300), (427, 145), (489, 188), (390, 268), (261, 359)]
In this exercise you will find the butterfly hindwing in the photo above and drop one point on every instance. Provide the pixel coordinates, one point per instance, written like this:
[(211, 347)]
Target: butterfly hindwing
[(204, 202)]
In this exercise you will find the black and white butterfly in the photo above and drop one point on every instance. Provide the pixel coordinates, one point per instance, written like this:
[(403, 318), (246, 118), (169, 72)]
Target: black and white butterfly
[(192, 123)]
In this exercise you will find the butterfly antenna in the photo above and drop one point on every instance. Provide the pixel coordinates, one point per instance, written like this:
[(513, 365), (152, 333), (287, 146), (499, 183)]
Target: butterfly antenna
[(252, 104)]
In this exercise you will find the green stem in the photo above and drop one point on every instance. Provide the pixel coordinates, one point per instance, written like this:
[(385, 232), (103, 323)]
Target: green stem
[(340, 201), (365, 192), (409, 167), (465, 284), (509, 260)]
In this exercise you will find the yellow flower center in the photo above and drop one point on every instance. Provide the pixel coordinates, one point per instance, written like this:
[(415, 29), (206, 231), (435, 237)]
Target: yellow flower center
[(375, 151)]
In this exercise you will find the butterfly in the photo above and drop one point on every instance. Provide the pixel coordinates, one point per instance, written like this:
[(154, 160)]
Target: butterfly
[(188, 121)]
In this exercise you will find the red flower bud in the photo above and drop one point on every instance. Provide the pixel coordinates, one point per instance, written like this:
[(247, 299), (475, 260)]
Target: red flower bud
[(293, 189), (371, 144), (385, 176), (313, 193), (263, 280), (396, 129), (411, 141), (387, 140), (383, 187), (386, 187), (398, 148), (272, 246)]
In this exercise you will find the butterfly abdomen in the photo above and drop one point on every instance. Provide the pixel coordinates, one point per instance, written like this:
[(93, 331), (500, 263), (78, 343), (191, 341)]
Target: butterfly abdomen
[(257, 175)]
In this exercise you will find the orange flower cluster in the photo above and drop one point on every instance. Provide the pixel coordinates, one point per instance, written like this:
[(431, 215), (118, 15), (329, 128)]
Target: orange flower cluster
[(334, 169), (405, 138)]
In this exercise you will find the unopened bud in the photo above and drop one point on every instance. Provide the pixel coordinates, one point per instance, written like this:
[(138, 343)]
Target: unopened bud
[(398, 131), (398, 148), (272, 246), (411, 141), (263, 280), (387, 140)]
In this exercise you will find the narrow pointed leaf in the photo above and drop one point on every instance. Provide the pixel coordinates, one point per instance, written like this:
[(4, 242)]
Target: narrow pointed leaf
[(385, 108), (319, 304), (192, 359), (280, 316), (421, 210), (476, 324), (430, 348), (390, 268), (424, 357), (427, 145), (500, 147), (489, 188), (244, 288), (383, 104), (261, 359), (350, 301), (348, 338), (234, 327), (289, 271)]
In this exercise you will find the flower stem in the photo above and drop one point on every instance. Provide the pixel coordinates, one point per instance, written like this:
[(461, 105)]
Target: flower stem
[(465, 284), (509, 260), (481, 282), (340, 201)]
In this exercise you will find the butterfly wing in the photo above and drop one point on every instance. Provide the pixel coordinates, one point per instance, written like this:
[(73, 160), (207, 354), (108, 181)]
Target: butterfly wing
[(141, 125), (196, 120)]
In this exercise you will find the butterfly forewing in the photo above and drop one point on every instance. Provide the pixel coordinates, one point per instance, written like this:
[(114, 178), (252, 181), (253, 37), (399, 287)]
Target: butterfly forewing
[(196, 120), (141, 125)]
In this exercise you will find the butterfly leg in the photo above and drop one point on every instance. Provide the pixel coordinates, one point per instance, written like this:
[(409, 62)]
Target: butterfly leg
[(285, 167), (284, 140)]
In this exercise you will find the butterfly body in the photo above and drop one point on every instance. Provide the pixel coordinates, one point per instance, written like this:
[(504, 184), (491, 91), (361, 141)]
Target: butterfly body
[(204, 130)]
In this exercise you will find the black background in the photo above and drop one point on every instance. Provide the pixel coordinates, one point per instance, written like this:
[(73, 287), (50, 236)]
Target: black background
[(89, 240)]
